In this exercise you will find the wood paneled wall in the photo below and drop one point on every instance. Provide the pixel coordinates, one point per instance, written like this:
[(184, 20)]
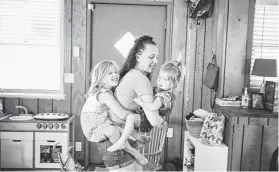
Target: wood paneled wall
[(224, 33), (193, 41)]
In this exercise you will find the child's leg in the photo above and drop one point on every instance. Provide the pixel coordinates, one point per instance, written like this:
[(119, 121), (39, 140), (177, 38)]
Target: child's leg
[(113, 134), (131, 121)]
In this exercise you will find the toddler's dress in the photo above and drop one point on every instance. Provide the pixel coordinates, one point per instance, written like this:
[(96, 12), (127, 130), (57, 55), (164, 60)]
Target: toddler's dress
[(167, 99), (94, 118)]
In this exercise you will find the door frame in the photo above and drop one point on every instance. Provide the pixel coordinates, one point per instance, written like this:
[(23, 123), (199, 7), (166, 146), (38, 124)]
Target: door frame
[(89, 33)]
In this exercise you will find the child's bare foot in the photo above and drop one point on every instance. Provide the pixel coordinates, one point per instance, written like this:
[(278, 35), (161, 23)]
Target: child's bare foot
[(143, 139), (140, 159), (117, 145)]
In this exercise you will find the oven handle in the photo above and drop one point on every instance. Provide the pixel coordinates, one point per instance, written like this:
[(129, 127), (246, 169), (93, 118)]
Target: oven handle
[(16, 140)]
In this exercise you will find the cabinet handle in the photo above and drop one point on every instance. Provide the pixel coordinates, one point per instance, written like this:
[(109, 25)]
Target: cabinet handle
[(50, 140), (16, 140)]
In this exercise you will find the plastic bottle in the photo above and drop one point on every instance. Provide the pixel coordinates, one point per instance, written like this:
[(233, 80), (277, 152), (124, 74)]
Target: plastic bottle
[(245, 99)]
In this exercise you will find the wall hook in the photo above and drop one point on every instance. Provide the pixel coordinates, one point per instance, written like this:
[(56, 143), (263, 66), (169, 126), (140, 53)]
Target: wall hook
[(198, 23)]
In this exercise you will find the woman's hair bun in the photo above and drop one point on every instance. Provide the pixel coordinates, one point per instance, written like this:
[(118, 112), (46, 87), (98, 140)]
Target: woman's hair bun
[(144, 37)]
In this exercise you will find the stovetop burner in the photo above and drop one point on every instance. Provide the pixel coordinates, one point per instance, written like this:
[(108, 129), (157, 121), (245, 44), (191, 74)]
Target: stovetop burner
[(51, 116)]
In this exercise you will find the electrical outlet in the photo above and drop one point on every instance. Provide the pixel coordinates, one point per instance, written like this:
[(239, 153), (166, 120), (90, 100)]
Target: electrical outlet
[(170, 133), (78, 146)]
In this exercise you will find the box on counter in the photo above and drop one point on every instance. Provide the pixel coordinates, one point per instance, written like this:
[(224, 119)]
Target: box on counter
[(222, 102)]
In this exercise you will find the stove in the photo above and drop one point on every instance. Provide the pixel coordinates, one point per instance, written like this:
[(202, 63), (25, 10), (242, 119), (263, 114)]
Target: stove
[(36, 125), (35, 141)]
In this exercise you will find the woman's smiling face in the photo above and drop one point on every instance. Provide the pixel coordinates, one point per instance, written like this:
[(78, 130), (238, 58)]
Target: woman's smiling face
[(148, 58)]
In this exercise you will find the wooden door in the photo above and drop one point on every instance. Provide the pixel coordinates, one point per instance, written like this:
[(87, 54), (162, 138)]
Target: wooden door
[(112, 25)]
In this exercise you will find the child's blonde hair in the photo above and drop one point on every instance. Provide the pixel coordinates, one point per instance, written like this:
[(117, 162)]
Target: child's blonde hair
[(174, 71), (98, 75)]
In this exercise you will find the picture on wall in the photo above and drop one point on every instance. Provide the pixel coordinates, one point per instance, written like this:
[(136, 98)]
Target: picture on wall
[(269, 95)]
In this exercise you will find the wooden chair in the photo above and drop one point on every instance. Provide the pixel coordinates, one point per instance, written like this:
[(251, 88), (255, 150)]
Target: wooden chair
[(152, 151), (67, 162)]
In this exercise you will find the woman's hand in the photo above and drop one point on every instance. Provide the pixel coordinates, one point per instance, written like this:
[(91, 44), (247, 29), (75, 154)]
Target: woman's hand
[(138, 101)]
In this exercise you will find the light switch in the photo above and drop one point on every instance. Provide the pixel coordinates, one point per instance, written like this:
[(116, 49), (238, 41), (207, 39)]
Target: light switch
[(76, 52), (69, 78)]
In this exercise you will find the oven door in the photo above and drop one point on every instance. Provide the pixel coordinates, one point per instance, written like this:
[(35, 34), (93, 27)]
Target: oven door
[(45, 154)]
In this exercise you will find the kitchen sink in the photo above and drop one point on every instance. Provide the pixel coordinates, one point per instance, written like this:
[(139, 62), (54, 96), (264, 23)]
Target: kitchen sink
[(20, 118)]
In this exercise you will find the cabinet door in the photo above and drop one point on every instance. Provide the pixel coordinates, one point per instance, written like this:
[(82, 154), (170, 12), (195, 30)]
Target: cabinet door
[(43, 154), (44, 143), (16, 154)]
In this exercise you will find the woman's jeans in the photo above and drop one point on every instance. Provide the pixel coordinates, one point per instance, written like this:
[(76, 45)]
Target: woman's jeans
[(114, 158), (133, 167)]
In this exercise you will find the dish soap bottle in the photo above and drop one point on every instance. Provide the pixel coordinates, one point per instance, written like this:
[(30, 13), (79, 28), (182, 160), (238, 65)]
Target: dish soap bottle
[(245, 99)]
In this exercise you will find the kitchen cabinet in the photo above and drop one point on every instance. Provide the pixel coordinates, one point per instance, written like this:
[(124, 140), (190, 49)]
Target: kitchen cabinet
[(17, 149), (252, 137)]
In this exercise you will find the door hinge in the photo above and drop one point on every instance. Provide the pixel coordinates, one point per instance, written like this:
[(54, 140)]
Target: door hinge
[(165, 25), (91, 7), (232, 133)]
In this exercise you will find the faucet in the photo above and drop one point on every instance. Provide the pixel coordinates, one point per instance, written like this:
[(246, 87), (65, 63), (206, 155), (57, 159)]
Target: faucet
[(24, 108)]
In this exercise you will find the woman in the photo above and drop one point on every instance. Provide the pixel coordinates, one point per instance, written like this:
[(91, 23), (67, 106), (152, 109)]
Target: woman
[(134, 82)]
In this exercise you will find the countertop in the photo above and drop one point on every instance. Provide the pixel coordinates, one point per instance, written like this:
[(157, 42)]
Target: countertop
[(6, 119), (245, 112)]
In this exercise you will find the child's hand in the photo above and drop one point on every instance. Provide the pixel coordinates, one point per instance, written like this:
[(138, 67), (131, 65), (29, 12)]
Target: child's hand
[(138, 101), (163, 126)]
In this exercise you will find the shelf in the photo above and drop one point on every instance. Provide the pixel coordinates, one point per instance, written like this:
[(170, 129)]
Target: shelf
[(206, 158)]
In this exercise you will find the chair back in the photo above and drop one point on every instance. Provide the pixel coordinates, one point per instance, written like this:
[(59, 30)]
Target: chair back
[(153, 149)]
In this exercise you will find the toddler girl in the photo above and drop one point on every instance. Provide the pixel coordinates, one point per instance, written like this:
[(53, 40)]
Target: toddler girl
[(100, 101), (169, 78)]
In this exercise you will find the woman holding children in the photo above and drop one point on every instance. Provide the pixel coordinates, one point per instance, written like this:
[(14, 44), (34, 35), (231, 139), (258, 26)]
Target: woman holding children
[(103, 115)]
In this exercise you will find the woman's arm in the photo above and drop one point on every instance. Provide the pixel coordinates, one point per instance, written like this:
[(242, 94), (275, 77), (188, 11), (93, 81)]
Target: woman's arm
[(108, 99), (150, 106)]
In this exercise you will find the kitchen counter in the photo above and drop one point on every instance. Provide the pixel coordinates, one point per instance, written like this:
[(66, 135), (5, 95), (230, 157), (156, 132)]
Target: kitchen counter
[(7, 124), (245, 112), (4, 117), (252, 137), (7, 119)]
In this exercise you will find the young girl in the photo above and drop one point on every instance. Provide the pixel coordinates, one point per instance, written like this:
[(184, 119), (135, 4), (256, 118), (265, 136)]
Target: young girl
[(95, 121), (169, 78)]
